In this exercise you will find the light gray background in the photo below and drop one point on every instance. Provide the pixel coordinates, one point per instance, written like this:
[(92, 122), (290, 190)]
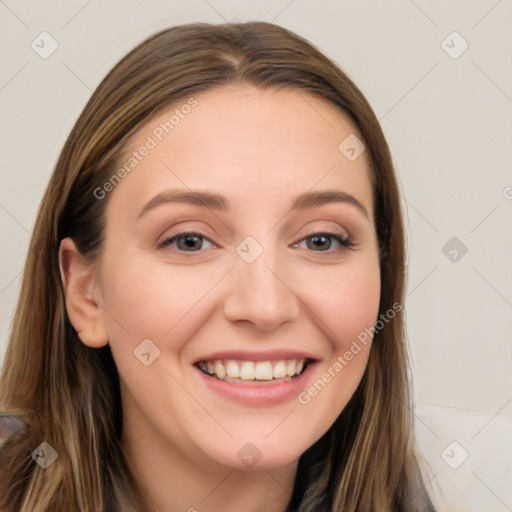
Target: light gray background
[(448, 123)]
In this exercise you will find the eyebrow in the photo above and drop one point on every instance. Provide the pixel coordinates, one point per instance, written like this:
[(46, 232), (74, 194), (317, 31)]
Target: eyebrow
[(218, 202)]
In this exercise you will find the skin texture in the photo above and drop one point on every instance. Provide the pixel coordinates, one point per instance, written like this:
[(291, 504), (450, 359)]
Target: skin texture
[(259, 149)]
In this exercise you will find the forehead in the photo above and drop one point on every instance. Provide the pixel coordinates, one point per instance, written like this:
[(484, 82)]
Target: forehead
[(246, 143)]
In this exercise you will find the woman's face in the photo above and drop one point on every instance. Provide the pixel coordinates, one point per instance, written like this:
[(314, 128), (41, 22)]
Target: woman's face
[(250, 281)]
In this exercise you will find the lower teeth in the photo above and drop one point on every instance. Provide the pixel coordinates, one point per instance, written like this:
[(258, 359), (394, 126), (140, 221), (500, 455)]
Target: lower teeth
[(255, 381)]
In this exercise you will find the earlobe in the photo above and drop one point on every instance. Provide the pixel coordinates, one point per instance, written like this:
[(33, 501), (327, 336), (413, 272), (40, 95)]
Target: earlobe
[(94, 335), (81, 293)]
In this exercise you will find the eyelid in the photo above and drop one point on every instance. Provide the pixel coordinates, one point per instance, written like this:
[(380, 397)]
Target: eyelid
[(344, 239), (333, 231), (171, 237)]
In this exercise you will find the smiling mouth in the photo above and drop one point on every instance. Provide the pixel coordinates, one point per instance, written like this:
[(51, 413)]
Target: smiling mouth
[(253, 372)]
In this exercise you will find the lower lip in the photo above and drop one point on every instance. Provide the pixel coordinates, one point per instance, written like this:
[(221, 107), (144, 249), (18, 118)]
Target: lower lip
[(259, 394)]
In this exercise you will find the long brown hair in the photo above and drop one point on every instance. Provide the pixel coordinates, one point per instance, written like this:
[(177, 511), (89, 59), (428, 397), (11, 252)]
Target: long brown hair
[(69, 393)]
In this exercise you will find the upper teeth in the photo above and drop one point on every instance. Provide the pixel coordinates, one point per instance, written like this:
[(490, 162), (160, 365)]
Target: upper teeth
[(253, 370)]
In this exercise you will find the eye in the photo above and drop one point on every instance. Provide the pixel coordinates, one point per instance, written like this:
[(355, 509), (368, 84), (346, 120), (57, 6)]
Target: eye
[(318, 242), (186, 242), (322, 242)]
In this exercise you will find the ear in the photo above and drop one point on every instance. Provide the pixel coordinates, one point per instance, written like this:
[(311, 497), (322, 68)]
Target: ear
[(83, 300)]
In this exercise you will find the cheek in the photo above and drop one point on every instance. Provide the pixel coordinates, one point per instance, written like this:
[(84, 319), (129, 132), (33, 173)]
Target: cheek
[(345, 303), (345, 299), (152, 300)]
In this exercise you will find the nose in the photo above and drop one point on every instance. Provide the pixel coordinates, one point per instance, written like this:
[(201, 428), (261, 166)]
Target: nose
[(262, 294)]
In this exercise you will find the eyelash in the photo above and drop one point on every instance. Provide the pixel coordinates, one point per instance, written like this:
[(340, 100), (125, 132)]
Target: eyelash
[(345, 242)]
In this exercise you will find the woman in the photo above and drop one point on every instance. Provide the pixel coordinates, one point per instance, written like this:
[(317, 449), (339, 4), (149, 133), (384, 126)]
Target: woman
[(211, 311)]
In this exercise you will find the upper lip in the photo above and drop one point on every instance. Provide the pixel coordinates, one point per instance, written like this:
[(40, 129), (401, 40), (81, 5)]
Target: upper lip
[(258, 355)]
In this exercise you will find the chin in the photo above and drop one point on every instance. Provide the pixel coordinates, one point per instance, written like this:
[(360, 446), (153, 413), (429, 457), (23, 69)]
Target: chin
[(258, 455)]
